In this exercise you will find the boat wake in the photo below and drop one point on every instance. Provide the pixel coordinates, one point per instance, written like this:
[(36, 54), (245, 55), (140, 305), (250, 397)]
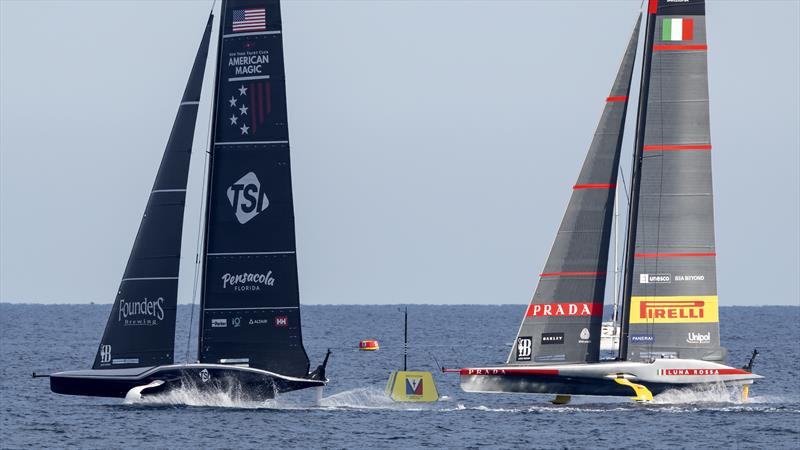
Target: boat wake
[(714, 393), (373, 398), (359, 398)]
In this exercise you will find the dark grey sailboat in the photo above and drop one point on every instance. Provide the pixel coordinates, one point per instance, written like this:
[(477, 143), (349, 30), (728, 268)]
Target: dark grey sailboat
[(670, 325), (250, 336)]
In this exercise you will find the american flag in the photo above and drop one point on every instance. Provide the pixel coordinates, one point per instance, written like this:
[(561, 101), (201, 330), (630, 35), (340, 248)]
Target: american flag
[(253, 19), (250, 105)]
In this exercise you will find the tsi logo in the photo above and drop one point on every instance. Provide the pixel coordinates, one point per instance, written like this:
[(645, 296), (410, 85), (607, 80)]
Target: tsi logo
[(524, 345), (246, 198)]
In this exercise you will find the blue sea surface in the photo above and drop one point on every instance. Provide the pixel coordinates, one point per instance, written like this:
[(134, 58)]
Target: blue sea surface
[(354, 413)]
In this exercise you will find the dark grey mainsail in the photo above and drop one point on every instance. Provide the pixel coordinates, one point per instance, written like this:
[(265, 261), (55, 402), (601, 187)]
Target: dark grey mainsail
[(250, 299), (670, 288), (562, 322), (141, 329)]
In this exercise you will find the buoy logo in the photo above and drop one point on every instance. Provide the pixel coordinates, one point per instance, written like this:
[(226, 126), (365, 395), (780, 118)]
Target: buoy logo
[(246, 198), (413, 386)]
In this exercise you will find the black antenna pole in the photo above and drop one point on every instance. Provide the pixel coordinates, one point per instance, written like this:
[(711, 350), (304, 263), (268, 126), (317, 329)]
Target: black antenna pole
[(405, 343), (636, 176)]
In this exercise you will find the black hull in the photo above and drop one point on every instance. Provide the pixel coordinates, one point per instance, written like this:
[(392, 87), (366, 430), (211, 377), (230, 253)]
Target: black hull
[(248, 384)]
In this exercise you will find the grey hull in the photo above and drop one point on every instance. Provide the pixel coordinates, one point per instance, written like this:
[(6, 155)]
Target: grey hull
[(598, 378)]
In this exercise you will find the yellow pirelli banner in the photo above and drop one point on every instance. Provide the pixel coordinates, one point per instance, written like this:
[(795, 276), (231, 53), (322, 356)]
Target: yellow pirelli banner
[(676, 309)]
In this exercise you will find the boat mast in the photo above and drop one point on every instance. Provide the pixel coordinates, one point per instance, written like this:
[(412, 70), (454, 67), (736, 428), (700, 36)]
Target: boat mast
[(209, 175), (405, 342), (633, 205), (615, 312)]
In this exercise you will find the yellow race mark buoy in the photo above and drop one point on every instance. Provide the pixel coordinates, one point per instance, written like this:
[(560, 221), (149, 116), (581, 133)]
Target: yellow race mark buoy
[(406, 386)]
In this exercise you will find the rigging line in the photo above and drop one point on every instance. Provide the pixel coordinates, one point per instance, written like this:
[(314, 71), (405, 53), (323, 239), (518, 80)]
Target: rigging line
[(200, 221), (624, 184)]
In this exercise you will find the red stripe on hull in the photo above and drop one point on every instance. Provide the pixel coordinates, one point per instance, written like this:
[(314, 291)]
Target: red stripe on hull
[(649, 148), (620, 98), (671, 255), (666, 47), (508, 372), (702, 372), (652, 7)]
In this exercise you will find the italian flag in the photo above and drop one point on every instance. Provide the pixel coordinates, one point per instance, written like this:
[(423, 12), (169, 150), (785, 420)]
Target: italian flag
[(677, 30)]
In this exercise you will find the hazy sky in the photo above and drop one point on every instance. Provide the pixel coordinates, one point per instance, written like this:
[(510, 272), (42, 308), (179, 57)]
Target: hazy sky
[(434, 144)]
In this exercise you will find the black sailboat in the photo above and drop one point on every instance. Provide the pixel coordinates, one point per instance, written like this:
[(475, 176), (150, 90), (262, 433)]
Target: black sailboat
[(670, 325), (249, 333)]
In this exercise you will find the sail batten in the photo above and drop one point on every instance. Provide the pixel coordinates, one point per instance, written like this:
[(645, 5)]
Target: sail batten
[(140, 331), (562, 322)]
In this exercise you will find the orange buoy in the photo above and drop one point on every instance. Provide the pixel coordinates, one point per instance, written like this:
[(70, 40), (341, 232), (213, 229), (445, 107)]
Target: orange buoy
[(368, 345)]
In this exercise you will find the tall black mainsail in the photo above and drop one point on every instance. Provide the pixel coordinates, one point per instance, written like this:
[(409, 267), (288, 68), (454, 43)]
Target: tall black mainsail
[(562, 322), (141, 329), (250, 299), (670, 287)]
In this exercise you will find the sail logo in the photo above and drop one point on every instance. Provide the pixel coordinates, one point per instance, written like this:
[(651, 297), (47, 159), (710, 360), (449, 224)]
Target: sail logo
[(642, 338), (414, 386), (105, 353), (646, 278), (698, 338), (690, 277), (141, 313), (564, 309), (247, 281), (246, 198), (674, 309), (524, 348), (552, 338), (584, 336)]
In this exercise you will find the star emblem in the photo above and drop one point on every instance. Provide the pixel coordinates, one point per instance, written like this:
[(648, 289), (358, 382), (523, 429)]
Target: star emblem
[(234, 119), (243, 110), (242, 90), (232, 101), (244, 129)]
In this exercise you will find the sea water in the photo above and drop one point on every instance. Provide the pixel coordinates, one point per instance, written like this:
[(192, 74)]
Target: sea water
[(353, 411)]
